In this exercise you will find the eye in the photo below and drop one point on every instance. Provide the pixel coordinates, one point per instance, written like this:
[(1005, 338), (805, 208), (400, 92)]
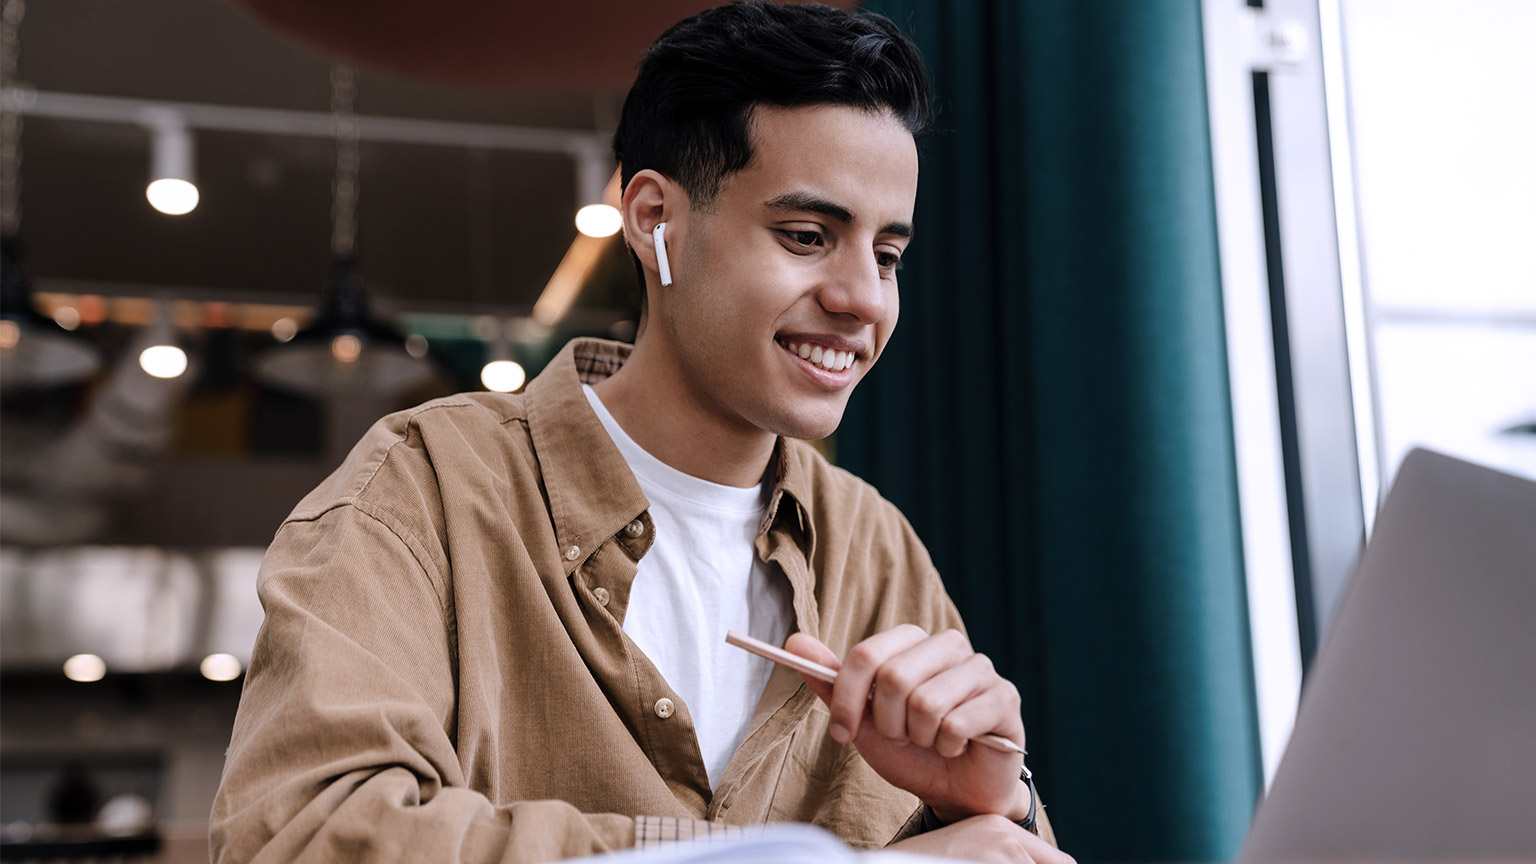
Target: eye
[(888, 261), (805, 239)]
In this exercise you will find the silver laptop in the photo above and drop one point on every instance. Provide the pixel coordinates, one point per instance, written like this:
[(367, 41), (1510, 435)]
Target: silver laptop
[(1416, 737)]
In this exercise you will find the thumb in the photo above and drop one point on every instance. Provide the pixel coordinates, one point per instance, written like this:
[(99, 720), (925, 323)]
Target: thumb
[(811, 648)]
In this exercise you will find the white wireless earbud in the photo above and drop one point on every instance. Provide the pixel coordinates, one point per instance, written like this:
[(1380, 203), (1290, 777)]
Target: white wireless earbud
[(658, 233)]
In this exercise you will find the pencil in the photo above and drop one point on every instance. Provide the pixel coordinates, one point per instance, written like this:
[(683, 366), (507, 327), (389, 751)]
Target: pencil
[(822, 673)]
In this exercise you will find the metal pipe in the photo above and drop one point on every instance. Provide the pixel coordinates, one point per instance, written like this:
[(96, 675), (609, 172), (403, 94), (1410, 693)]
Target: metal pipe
[(300, 124)]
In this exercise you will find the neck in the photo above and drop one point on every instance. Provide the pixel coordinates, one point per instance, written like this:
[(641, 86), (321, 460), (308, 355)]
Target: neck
[(652, 402)]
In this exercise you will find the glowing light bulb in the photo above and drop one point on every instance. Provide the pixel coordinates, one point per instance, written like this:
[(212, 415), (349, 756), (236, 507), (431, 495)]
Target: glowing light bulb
[(172, 156), (503, 376), (220, 667), (346, 348), (67, 317), (85, 668), (416, 345), (171, 196), (599, 220), (284, 329), (163, 361)]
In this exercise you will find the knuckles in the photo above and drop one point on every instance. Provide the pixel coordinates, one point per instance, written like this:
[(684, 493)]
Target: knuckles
[(950, 741), (983, 664), (954, 638), (895, 681), (1011, 694), (924, 704), (861, 657)]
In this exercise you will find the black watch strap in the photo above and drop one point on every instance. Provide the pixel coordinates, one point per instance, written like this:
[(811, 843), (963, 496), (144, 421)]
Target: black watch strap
[(1029, 824)]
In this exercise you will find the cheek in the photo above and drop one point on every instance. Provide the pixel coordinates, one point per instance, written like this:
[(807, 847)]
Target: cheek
[(887, 325)]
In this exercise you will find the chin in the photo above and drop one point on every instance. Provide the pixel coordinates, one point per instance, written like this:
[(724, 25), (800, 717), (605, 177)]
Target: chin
[(810, 425)]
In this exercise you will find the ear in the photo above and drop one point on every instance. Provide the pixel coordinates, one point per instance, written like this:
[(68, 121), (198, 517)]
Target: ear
[(650, 199)]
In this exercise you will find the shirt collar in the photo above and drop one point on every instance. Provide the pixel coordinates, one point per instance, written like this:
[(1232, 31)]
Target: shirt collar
[(592, 492)]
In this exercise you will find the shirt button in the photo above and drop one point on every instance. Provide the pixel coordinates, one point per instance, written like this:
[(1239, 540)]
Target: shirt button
[(602, 596), (634, 529), (571, 553), (663, 707)]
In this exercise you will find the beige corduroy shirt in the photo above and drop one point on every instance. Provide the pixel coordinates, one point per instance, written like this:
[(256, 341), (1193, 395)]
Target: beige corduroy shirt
[(442, 674)]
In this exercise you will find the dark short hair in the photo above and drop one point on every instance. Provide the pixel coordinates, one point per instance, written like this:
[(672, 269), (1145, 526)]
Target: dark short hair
[(689, 113)]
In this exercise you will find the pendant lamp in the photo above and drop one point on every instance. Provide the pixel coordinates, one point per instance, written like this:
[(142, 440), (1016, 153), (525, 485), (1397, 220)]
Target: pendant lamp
[(35, 352), (345, 348)]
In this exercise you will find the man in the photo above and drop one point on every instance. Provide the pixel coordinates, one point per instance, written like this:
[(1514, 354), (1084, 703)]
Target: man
[(496, 632)]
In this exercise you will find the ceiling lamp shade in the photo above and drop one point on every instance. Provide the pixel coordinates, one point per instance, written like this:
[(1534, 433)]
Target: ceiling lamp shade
[(162, 358), (172, 188), (35, 352), (502, 373), (598, 216), (345, 349)]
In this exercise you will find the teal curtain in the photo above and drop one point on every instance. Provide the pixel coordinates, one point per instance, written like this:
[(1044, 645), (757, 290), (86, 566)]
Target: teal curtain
[(1053, 417)]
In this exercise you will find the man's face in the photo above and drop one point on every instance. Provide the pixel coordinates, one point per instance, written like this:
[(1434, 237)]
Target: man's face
[(796, 256)]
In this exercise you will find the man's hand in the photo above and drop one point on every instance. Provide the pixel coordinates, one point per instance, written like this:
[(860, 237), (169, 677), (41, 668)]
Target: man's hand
[(991, 839), (931, 695)]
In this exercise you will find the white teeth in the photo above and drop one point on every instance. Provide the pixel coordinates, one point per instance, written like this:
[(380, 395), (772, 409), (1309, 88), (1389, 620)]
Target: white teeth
[(826, 358)]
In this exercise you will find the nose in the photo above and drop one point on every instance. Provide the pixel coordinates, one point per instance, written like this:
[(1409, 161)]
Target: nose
[(853, 288)]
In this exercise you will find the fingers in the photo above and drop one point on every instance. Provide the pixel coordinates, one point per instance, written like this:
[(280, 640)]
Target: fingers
[(917, 687), (939, 694), (811, 648), (967, 694), (857, 676), (931, 690), (977, 715)]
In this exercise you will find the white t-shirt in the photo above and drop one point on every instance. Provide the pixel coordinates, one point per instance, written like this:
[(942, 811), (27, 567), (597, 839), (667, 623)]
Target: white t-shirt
[(701, 578)]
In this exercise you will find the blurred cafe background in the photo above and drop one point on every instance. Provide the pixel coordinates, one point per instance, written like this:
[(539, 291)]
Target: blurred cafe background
[(1190, 279)]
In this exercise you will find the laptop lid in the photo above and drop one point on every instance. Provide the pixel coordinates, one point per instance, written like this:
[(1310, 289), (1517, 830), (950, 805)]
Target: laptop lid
[(1416, 735)]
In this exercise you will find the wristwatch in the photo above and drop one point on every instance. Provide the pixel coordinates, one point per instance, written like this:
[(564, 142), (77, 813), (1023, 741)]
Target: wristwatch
[(932, 822), (1028, 822)]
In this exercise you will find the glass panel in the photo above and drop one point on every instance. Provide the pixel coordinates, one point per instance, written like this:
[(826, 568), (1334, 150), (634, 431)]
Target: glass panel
[(1458, 388), (1443, 125)]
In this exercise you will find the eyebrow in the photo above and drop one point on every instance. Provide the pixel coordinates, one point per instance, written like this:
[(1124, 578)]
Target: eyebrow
[(806, 202)]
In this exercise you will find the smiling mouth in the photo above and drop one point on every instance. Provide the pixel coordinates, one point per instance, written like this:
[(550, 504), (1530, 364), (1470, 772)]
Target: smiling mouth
[(816, 355)]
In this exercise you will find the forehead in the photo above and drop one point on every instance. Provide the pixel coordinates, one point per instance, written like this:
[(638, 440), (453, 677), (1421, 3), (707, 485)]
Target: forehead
[(862, 160)]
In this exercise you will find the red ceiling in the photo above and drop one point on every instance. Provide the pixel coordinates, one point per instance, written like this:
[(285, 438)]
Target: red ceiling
[(508, 45)]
